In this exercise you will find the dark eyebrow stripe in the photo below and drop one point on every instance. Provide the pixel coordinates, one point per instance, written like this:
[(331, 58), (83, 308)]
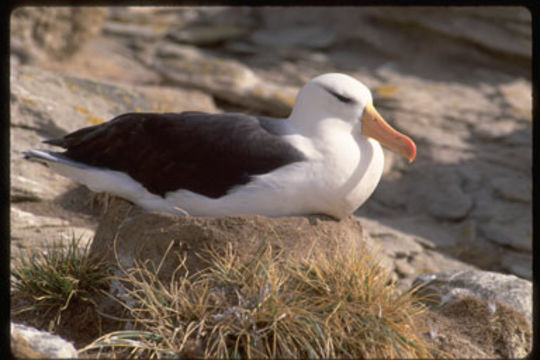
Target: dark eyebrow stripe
[(341, 98)]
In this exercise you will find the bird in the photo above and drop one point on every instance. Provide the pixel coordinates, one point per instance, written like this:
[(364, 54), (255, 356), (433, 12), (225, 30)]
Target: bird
[(325, 158)]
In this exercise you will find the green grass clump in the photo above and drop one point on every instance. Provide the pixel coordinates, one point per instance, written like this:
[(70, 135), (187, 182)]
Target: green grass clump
[(273, 306), (50, 282)]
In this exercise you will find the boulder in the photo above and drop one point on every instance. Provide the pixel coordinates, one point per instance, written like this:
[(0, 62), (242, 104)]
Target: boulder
[(468, 327), (477, 314), (30, 343), (509, 290)]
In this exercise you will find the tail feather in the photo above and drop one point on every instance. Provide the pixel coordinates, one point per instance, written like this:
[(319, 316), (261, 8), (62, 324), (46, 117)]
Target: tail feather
[(56, 142), (47, 156)]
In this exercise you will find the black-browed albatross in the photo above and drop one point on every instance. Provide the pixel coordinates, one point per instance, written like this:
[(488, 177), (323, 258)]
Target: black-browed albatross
[(324, 158)]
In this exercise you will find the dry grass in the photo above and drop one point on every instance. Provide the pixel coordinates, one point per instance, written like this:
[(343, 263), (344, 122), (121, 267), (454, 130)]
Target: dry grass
[(273, 306), (49, 283)]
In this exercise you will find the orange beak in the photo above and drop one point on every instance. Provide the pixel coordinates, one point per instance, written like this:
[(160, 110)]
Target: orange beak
[(374, 126)]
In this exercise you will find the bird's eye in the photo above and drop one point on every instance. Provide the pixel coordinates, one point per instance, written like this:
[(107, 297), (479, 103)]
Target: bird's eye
[(343, 99)]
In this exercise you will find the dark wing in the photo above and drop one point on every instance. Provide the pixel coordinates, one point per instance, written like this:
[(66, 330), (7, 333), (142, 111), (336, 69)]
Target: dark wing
[(204, 153)]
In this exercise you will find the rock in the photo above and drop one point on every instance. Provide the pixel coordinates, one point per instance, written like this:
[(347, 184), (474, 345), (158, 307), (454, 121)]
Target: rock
[(488, 28), (39, 33), (394, 243), (509, 290), (514, 188), (138, 235), (445, 199), (226, 79), (477, 168), (56, 104), (156, 15), (33, 231), (285, 38), (21, 219), (103, 58), (477, 314), (496, 130), (206, 35), (408, 255), (517, 238), (145, 32), (29, 342), (31, 182), (472, 328), (518, 263), (517, 94), (403, 268)]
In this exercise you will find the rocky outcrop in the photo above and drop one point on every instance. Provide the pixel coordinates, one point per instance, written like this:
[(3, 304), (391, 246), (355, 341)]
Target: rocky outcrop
[(30, 343), (457, 80)]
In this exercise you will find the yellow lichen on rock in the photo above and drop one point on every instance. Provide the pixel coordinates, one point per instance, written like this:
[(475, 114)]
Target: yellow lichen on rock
[(28, 101), (81, 109), (95, 120), (386, 90)]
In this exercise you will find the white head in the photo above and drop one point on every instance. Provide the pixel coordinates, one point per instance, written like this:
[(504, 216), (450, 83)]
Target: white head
[(348, 104)]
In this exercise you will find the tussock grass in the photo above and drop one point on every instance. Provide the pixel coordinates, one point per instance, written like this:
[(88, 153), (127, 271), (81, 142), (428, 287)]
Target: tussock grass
[(273, 306), (48, 283)]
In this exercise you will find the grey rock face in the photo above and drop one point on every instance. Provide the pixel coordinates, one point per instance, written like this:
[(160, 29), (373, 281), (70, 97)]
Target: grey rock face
[(497, 29), (226, 79), (46, 105), (309, 37), (516, 188)]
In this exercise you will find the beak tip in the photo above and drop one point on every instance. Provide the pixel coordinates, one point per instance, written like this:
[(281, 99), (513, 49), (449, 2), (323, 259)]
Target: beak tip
[(412, 150)]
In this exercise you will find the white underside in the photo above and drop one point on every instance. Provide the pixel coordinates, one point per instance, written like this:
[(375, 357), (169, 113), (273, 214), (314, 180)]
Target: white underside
[(335, 184)]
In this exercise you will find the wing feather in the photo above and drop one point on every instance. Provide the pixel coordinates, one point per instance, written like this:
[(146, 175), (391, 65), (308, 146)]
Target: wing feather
[(204, 153)]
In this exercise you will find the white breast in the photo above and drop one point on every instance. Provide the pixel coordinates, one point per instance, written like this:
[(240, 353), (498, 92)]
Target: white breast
[(336, 184)]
